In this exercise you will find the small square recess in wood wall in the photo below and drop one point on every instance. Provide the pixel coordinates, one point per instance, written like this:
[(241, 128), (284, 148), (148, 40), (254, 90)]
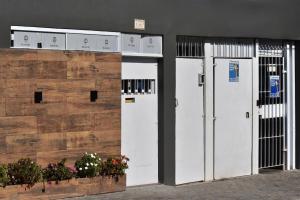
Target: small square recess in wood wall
[(38, 97), (94, 95)]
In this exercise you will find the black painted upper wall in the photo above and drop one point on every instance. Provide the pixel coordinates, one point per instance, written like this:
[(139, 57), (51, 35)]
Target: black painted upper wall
[(224, 18)]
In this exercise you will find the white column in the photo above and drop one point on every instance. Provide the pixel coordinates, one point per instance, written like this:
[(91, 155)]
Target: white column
[(255, 110), (293, 125), (290, 107), (209, 107)]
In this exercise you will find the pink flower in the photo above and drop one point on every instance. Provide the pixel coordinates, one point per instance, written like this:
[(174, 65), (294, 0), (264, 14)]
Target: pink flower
[(72, 169)]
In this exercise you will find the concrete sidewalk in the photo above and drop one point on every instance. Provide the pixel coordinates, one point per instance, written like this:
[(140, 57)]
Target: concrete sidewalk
[(279, 185)]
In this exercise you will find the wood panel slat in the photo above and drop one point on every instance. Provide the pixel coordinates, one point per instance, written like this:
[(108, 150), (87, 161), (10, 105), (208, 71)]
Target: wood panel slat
[(50, 123), (88, 139), (19, 88), (52, 141), (18, 125), (108, 120), (104, 57), (20, 54), (2, 106), (50, 55), (34, 69), (21, 143), (2, 85), (109, 87), (80, 56), (19, 106), (93, 70), (2, 143), (78, 122), (49, 108)]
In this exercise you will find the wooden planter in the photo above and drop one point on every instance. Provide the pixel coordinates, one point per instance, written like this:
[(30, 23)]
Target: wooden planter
[(65, 189)]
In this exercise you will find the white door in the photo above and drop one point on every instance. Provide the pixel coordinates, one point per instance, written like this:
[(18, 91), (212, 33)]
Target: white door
[(233, 112), (189, 121), (139, 117)]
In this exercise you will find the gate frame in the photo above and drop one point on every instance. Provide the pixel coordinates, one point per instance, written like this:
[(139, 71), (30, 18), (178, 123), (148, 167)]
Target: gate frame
[(291, 126), (290, 137)]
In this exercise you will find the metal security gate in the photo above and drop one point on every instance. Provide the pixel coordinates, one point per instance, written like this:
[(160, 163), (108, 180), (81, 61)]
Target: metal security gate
[(272, 103)]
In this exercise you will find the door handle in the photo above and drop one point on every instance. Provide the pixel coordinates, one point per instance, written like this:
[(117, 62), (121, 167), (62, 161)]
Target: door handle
[(201, 80), (176, 102), (247, 115)]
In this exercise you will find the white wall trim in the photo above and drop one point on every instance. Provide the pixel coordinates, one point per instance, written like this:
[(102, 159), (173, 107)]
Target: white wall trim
[(208, 112), (55, 30), (142, 55), (255, 111), (291, 150), (293, 124)]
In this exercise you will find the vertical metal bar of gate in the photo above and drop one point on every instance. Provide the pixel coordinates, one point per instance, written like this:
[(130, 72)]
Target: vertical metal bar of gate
[(272, 121), (284, 110), (260, 116), (189, 47), (280, 123)]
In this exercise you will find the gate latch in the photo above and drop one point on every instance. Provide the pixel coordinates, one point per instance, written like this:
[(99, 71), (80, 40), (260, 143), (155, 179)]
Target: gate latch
[(201, 79), (247, 115)]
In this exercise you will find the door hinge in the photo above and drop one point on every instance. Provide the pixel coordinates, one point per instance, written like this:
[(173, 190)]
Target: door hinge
[(258, 103), (215, 118), (176, 103)]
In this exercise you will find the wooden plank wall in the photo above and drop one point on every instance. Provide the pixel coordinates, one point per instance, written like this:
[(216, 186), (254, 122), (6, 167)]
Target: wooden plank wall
[(66, 124)]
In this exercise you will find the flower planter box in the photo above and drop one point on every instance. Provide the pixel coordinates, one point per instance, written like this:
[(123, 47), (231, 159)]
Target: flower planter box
[(65, 189)]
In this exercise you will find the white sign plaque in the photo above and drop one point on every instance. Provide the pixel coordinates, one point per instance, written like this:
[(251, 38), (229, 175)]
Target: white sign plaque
[(139, 24)]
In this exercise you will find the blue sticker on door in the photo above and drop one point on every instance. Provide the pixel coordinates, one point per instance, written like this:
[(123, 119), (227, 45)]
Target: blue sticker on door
[(234, 71), (274, 86)]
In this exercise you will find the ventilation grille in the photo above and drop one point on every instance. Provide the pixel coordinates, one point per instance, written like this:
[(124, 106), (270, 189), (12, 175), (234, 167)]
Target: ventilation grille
[(271, 48), (138, 86), (190, 47), (233, 48)]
